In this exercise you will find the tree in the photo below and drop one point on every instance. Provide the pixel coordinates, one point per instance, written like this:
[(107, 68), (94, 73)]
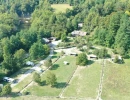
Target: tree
[(64, 37), (116, 59), (51, 78), (37, 51), (82, 59), (19, 56), (6, 89), (37, 78), (46, 49), (48, 63), (102, 53)]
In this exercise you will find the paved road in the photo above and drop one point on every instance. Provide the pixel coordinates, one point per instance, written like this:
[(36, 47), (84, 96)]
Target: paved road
[(33, 68)]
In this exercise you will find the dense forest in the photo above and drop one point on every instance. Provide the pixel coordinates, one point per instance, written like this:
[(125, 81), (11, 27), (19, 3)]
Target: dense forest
[(107, 22)]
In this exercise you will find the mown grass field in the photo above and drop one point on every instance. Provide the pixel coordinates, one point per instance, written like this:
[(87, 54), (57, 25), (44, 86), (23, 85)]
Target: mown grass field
[(117, 81), (22, 84), (60, 7), (85, 82), (63, 73), (32, 97)]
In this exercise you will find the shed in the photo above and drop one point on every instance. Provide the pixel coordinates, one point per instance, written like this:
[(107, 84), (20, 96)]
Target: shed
[(73, 53), (65, 63), (92, 56)]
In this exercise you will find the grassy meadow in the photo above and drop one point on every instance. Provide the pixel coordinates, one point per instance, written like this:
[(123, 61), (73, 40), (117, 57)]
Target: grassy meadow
[(85, 82), (63, 73), (60, 7), (116, 85)]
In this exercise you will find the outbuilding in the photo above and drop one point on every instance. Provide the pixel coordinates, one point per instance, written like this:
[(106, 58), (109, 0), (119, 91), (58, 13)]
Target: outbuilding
[(92, 57), (65, 63)]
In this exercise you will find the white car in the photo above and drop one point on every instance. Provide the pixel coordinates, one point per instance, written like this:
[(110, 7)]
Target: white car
[(7, 79)]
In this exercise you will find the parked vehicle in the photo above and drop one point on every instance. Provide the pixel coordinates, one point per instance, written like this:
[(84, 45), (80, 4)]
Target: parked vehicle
[(8, 79)]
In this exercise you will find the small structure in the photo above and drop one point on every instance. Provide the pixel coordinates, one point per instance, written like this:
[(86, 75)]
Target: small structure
[(73, 53), (92, 57), (65, 63), (46, 40), (118, 56), (29, 63), (78, 33), (80, 25)]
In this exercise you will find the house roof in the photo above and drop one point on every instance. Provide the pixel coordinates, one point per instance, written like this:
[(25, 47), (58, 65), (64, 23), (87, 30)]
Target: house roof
[(80, 33)]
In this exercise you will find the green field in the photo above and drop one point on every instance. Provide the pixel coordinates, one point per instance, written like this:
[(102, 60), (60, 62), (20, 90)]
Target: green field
[(85, 82), (117, 81), (63, 73), (22, 84), (61, 7)]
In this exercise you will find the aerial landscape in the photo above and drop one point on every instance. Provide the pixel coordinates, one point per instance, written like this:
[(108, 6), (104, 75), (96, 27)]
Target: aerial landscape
[(64, 49)]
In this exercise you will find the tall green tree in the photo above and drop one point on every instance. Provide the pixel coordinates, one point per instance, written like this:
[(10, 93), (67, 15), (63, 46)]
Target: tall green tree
[(51, 78)]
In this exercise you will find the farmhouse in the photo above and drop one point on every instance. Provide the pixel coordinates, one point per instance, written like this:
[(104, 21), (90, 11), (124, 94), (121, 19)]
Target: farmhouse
[(78, 33)]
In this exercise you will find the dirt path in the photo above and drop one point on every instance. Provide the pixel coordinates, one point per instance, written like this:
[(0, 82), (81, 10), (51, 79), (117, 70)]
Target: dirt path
[(101, 81)]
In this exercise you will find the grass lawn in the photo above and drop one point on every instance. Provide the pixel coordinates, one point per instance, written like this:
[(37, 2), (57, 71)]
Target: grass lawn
[(63, 73), (32, 97), (61, 7), (117, 81), (22, 84), (55, 56), (85, 82)]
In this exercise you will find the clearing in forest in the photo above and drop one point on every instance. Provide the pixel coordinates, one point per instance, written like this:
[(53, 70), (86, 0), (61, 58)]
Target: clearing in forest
[(60, 7)]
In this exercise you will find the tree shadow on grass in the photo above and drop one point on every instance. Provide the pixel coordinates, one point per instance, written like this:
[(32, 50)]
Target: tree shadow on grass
[(61, 85), (43, 83), (53, 57), (54, 67), (90, 62)]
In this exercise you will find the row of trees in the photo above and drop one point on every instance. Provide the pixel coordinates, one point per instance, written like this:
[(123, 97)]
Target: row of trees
[(50, 79), (20, 7), (16, 49)]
